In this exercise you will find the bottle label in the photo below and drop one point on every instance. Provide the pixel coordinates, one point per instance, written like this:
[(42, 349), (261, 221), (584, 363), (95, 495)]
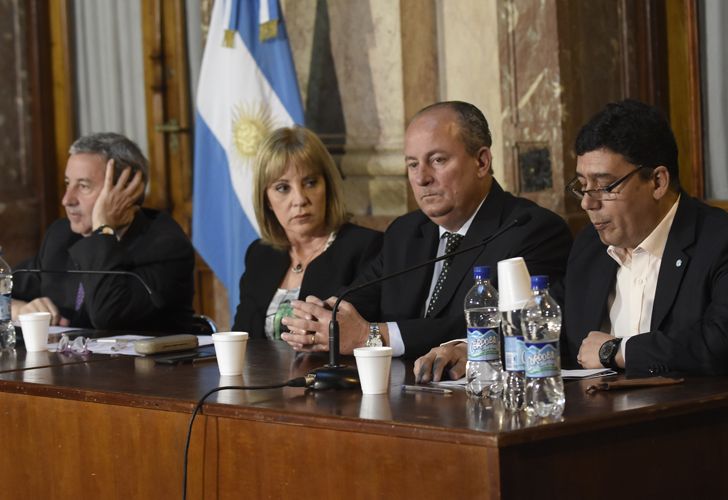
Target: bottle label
[(483, 345), (542, 359), (515, 354), (4, 307)]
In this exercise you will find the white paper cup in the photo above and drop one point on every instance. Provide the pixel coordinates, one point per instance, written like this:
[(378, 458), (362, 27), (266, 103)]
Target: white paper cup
[(514, 284), (230, 351), (35, 330), (373, 364)]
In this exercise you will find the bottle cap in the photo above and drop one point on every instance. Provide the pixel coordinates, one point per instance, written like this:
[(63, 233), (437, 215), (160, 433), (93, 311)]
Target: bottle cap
[(539, 282), (481, 272)]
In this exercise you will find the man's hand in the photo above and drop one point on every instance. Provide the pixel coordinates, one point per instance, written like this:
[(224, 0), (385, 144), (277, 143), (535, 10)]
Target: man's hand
[(41, 304), (431, 366), (588, 356), (309, 330), (116, 204)]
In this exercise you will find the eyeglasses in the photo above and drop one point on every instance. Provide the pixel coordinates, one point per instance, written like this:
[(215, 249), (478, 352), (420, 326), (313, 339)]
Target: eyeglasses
[(79, 345), (603, 193)]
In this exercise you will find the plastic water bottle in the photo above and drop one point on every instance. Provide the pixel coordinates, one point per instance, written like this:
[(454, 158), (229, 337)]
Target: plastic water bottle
[(541, 326), (483, 370), (7, 330), (514, 354)]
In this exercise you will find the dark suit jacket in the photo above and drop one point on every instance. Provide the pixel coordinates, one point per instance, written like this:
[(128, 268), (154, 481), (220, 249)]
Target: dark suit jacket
[(689, 326), (543, 242), (335, 268), (154, 247)]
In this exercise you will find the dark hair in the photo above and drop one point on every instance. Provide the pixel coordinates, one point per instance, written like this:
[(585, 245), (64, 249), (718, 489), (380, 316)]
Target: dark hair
[(117, 147), (637, 131), (474, 130)]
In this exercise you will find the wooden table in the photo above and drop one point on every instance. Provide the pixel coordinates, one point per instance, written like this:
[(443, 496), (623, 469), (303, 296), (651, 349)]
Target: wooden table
[(115, 428)]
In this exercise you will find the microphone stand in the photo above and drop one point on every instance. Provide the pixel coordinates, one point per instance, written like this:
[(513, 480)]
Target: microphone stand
[(152, 295), (334, 375)]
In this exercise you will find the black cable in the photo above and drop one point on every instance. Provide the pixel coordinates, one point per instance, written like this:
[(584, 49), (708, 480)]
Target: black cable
[(294, 382)]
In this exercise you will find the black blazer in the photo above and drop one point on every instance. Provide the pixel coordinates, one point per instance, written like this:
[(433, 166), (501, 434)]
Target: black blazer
[(154, 246), (689, 325), (544, 243), (335, 268)]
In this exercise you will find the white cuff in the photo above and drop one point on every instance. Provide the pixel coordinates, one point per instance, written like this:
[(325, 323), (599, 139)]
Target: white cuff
[(623, 350), (395, 339), (454, 341)]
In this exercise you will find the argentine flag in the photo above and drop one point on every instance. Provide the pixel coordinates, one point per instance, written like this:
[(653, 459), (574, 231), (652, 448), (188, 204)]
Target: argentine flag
[(247, 88)]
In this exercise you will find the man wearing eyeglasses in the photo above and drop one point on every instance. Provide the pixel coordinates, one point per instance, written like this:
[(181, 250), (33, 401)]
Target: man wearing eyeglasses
[(647, 281)]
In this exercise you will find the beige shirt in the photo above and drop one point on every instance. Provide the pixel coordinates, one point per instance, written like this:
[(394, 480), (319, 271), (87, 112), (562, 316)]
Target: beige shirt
[(630, 306)]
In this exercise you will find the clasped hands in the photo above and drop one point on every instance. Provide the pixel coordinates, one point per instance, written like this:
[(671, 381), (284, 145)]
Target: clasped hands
[(308, 329)]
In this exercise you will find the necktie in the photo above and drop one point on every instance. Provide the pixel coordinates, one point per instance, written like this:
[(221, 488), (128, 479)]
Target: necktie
[(453, 240), (79, 297)]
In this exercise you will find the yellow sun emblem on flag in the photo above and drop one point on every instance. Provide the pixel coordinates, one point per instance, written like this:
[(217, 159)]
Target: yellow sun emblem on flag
[(250, 128)]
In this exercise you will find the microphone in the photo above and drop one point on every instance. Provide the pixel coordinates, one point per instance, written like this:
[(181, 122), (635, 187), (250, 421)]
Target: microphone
[(153, 296), (337, 376)]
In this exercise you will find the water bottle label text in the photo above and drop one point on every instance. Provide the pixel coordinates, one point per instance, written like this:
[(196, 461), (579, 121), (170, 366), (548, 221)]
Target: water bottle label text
[(515, 354), (483, 345), (542, 359)]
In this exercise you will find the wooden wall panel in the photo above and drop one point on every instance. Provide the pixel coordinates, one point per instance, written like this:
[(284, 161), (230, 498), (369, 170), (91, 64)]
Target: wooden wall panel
[(684, 96)]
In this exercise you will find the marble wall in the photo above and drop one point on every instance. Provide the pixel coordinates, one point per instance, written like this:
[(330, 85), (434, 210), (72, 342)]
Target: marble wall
[(470, 66), (19, 204), (350, 60), (537, 69), (14, 104)]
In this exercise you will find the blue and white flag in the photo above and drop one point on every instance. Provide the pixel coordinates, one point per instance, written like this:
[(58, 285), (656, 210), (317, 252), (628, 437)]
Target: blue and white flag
[(247, 88)]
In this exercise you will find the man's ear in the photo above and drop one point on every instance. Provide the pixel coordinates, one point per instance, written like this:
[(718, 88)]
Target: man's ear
[(661, 180), (485, 161)]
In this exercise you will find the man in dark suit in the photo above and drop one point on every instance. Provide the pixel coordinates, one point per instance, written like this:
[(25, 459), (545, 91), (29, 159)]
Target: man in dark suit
[(647, 281), (448, 158), (107, 230)]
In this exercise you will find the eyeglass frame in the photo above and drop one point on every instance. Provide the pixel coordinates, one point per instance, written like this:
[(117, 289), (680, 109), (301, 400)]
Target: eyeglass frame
[(605, 191), (79, 345)]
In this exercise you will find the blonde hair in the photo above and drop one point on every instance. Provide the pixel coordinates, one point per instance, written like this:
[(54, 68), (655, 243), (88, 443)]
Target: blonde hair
[(299, 147)]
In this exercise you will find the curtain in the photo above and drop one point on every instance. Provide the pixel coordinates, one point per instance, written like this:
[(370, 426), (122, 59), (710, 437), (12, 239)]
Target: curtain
[(109, 68), (714, 17)]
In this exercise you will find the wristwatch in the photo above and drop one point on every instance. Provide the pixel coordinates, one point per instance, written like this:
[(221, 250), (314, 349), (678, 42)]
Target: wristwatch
[(105, 229), (375, 336), (608, 353)]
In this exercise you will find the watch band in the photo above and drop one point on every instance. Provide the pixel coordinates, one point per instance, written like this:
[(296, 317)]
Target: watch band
[(375, 336), (608, 353), (105, 229)]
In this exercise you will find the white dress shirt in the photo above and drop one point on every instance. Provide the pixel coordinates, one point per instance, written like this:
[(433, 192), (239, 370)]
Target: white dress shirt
[(630, 304)]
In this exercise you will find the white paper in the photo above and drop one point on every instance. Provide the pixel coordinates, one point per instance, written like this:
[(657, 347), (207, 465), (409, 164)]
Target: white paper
[(61, 329), (565, 374), (591, 373), (124, 344)]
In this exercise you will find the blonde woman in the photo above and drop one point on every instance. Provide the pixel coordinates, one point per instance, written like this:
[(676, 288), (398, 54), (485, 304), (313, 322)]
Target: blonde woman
[(307, 247)]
